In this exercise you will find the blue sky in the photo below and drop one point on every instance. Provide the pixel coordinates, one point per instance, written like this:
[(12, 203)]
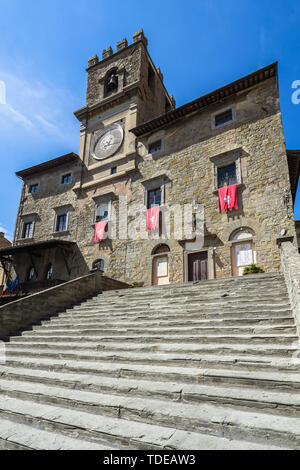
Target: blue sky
[(199, 45)]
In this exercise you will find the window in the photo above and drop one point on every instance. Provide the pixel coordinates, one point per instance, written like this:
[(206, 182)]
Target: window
[(155, 147), (61, 223), (27, 230), (223, 117), (160, 249), (30, 274), (154, 198), (49, 272), (112, 83), (99, 265), (113, 170), (227, 175), (33, 188), (66, 179), (151, 78), (102, 211)]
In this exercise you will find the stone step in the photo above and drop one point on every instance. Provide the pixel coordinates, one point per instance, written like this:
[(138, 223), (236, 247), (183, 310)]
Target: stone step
[(282, 350), (133, 414), (128, 433), (108, 323), (160, 371), (176, 313), (171, 315), (241, 339), (204, 289), (194, 296), (162, 331), (269, 279), (273, 380), (282, 402), (115, 395), (17, 436), (216, 303), (160, 358)]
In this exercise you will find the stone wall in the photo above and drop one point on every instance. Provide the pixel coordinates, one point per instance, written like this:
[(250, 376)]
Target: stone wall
[(192, 149), (290, 265), (187, 160), (4, 243), (22, 313)]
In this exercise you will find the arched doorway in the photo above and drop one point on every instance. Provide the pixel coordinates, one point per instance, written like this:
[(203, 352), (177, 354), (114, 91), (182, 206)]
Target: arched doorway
[(160, 265), (242, 250), (49, 272), (98, 265)]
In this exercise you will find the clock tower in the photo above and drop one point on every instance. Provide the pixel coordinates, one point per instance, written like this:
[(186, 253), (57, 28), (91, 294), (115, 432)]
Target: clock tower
[(124, 89)]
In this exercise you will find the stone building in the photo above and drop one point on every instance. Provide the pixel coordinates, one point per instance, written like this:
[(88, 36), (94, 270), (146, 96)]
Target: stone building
[(137, 148), (4, 243)]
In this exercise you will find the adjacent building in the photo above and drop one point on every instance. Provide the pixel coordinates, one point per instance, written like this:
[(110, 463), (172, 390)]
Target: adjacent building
[(138, 150), (4, 243)]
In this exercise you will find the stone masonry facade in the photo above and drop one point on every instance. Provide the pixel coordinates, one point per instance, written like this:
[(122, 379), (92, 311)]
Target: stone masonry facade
[(4, 243), (126, 95)]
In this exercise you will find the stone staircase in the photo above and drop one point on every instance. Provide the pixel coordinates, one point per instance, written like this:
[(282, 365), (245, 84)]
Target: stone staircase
[(211, 365)]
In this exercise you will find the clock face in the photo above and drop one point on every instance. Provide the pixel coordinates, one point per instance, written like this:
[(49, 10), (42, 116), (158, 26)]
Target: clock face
[(107, 142)]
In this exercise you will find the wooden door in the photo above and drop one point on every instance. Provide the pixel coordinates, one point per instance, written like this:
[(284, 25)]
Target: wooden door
[(160, 271), (198, 266), (241, 256)]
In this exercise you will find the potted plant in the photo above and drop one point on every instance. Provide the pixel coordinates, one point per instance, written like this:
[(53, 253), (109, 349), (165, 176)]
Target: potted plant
[(253, 269)]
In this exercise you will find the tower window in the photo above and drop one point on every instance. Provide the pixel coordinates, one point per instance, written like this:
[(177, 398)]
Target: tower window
[(155, 147), (151, 78), (113, 170), (112, 83)]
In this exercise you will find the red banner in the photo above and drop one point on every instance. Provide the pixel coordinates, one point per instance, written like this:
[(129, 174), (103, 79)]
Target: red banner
[(99, 231), (228, 198), (153, 218)]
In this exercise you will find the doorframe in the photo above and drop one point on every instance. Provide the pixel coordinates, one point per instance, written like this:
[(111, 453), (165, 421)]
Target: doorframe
[(159, 255), (210, 262), (232, 252)]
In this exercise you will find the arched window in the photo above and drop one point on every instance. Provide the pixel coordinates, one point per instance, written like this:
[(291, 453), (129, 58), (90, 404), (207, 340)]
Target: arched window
[(30, 274), (99, 265), (49, 272), (162, 248), (111, 82), (242, 233), (242, 249)]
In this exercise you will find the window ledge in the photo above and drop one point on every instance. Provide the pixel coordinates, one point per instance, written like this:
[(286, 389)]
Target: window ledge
[(239, 185), (63, 232)]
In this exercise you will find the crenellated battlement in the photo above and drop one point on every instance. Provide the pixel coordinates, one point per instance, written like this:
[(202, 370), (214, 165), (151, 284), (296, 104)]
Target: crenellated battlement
[(123, 44)]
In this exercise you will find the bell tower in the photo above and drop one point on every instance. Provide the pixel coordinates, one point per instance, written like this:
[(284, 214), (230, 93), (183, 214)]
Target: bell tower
[(124, 89)]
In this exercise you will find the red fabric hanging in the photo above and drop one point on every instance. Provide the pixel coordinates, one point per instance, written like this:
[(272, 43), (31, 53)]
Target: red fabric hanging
[(153, 218), (228, 198), (99, 231)]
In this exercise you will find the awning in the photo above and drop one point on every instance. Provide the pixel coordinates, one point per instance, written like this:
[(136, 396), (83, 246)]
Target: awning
[(33, 250), (32, 247)]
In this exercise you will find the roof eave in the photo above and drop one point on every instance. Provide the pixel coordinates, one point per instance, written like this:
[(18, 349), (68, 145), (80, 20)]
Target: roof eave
[(228, 90)]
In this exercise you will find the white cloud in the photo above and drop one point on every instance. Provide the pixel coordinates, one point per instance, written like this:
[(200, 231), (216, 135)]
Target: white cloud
[(38, 108), (9, 235)]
